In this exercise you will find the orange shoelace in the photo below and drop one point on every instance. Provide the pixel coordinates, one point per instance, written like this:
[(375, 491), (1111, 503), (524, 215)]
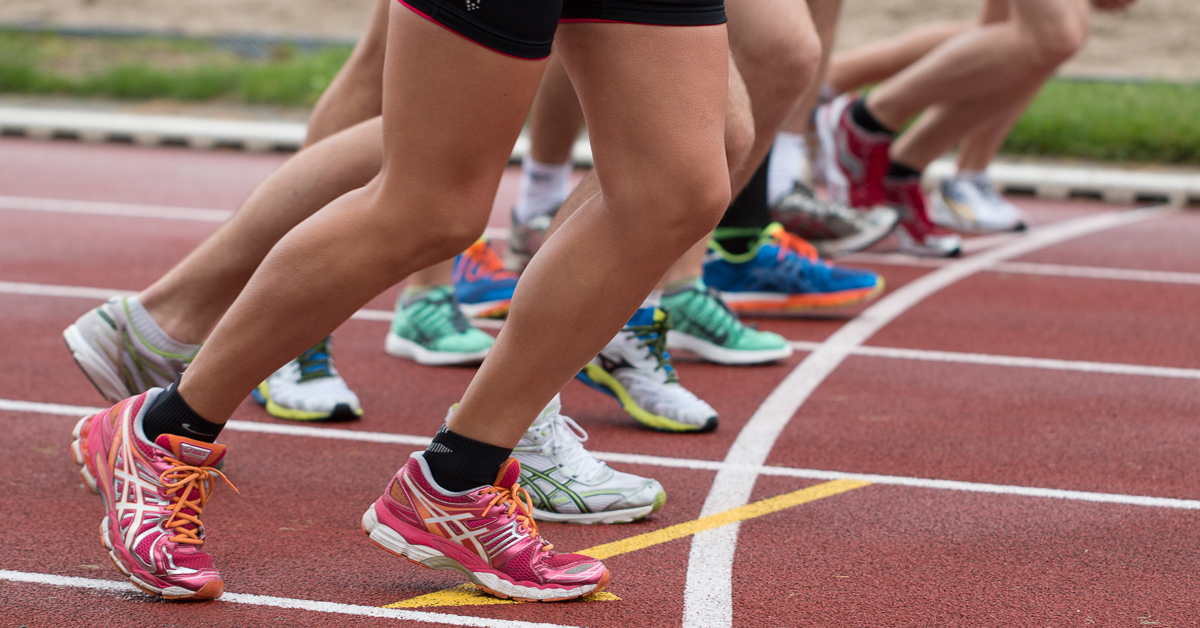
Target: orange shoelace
[(488, 259), (791, 242), (519, 505), (180, 479)]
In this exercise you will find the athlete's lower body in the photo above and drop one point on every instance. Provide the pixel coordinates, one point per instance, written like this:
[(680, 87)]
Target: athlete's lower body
[(654, 99)]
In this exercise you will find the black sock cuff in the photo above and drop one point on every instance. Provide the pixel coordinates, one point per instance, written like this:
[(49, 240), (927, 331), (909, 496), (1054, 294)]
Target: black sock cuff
[(865, 119), (459, 463), (170, 414), (897, 170)]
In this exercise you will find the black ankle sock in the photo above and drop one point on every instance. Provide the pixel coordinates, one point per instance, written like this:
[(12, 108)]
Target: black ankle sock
[(459, 463), (863, 118), (170, 414), (897, 170)]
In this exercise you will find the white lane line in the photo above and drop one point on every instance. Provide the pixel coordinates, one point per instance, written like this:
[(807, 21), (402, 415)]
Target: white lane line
[(988, 359), (283, 602), (1098, 272), (33, 407), (708, 597), (97, 208)]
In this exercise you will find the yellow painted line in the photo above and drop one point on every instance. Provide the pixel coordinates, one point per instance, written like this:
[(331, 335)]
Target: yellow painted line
[(469, 594)]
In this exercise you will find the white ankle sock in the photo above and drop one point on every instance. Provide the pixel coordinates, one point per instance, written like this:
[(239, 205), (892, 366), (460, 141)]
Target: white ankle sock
[(787, 165), (542, 188), (152, 333)]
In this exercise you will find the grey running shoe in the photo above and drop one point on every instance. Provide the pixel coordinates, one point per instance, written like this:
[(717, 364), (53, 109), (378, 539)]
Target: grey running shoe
[(121, 360), (832, 228), (970, 204), (525, 238)]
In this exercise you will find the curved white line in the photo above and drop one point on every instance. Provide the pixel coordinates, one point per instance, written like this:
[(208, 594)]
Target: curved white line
[(708, 598)]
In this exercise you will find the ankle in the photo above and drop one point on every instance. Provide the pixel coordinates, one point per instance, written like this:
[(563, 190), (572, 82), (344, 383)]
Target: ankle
[(458, 463)]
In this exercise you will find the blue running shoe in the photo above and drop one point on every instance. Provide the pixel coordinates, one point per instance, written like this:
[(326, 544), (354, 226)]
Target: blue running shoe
[(782, 273), (483, 286)]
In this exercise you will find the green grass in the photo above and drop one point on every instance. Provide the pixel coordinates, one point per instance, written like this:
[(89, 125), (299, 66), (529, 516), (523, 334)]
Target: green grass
[(142, 69), (1137, 122), (1112, 121)]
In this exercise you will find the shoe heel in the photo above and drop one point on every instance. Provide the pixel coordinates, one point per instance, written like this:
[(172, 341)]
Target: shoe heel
[(88, 481), (394, 542)]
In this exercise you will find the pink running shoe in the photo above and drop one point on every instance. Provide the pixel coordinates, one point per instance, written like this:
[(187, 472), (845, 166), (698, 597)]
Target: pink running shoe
[(917, 233), (855, 159), (153, 496), (486, 533)]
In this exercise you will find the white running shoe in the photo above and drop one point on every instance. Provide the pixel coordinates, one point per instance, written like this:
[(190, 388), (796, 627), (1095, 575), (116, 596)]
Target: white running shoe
[(567, 484), (970, 204), (309, 389), (636, 369), (121, 358)]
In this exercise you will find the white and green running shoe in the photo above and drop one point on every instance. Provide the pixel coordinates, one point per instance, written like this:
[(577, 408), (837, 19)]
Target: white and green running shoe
[(567, 484), (636, 369), (309, 389), (432, 330), (123, 351), (703, 324)]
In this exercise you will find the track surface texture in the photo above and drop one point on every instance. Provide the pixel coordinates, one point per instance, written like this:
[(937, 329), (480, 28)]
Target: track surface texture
[(1007, 439)]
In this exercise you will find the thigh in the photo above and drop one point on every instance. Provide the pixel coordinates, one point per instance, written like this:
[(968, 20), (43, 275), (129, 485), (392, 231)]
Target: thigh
[(654, 99)]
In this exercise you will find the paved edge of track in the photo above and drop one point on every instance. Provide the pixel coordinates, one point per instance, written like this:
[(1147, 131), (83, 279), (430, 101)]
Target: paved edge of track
[(708, 596)]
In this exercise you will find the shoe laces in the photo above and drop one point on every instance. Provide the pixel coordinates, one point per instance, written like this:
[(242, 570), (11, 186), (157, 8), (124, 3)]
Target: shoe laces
[(711, 313), (654, 337), (488, 261), (180, 481), (568, 438), (790, 242), (518, 505), (438, 315), (317, 362), (984, 186)]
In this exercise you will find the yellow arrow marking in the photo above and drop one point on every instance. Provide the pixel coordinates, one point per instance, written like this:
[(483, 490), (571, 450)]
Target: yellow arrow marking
[(469, 594)]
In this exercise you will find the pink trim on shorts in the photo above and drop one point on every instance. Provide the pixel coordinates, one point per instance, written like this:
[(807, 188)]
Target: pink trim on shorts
[(580, 20), (428, 17)]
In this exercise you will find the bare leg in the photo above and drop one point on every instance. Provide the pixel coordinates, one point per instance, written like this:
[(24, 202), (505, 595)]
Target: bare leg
[(430, 200), (825, 18), (635, 83), (556, 118), (355, 93), (878, 61)]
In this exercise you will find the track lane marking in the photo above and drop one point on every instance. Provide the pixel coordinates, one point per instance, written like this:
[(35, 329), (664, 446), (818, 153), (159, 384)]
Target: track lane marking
[(33, 407), (988, 359), (283, 602), (462, 595), (708, 597)]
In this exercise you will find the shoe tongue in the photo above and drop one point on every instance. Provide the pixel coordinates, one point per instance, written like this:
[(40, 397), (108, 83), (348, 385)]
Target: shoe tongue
[(509, 473), (196, 453)]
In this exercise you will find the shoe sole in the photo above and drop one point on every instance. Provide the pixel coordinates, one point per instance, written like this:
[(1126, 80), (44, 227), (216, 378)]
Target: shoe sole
[(487, 309), (425, 556), (211, 589), (341, 413), (399, 347), (628, 515), (95, 367), (769, 302), (601, 380), (713, 352)]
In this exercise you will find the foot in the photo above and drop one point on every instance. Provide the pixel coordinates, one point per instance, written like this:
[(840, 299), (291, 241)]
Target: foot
[(567, 484), (703, 324), (970, 204), (917, 233), (483, 286), (782, 273), (432, 330), (154, 494), (636, 369), (854, 159), (309, 389), (832, 228), (487, 534), (120, 359), (526, 238)]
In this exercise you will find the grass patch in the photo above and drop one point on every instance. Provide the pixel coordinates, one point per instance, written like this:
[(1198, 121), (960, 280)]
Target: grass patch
[(1138, 122), (180, 69), (1132, 122)]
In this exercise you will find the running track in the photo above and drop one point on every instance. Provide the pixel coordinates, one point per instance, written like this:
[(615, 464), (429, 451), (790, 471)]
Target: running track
[(1007, 439)]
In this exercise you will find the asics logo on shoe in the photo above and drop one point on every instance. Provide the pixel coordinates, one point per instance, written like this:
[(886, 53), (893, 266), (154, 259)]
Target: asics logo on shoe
[(193, 454)]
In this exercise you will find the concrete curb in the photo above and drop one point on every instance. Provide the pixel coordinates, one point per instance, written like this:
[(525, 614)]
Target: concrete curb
[(1111, 184)]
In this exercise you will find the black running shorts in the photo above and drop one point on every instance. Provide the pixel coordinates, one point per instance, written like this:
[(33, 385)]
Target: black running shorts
[(525, 28)]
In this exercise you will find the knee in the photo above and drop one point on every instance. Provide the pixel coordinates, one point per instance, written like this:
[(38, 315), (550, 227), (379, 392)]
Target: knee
[(690, 209), (439, 225), (1053, 41), (739, 137), (783, 66)]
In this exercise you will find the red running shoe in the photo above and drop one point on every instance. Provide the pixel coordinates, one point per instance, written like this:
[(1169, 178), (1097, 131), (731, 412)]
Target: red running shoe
[(918, 234), (855, 159)]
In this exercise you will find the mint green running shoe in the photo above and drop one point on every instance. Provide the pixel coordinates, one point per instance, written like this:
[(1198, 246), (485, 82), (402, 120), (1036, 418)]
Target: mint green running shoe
[(432, 330), (703, 324)]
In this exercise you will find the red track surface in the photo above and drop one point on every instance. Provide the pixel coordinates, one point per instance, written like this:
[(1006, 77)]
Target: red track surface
[(881, 555)]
